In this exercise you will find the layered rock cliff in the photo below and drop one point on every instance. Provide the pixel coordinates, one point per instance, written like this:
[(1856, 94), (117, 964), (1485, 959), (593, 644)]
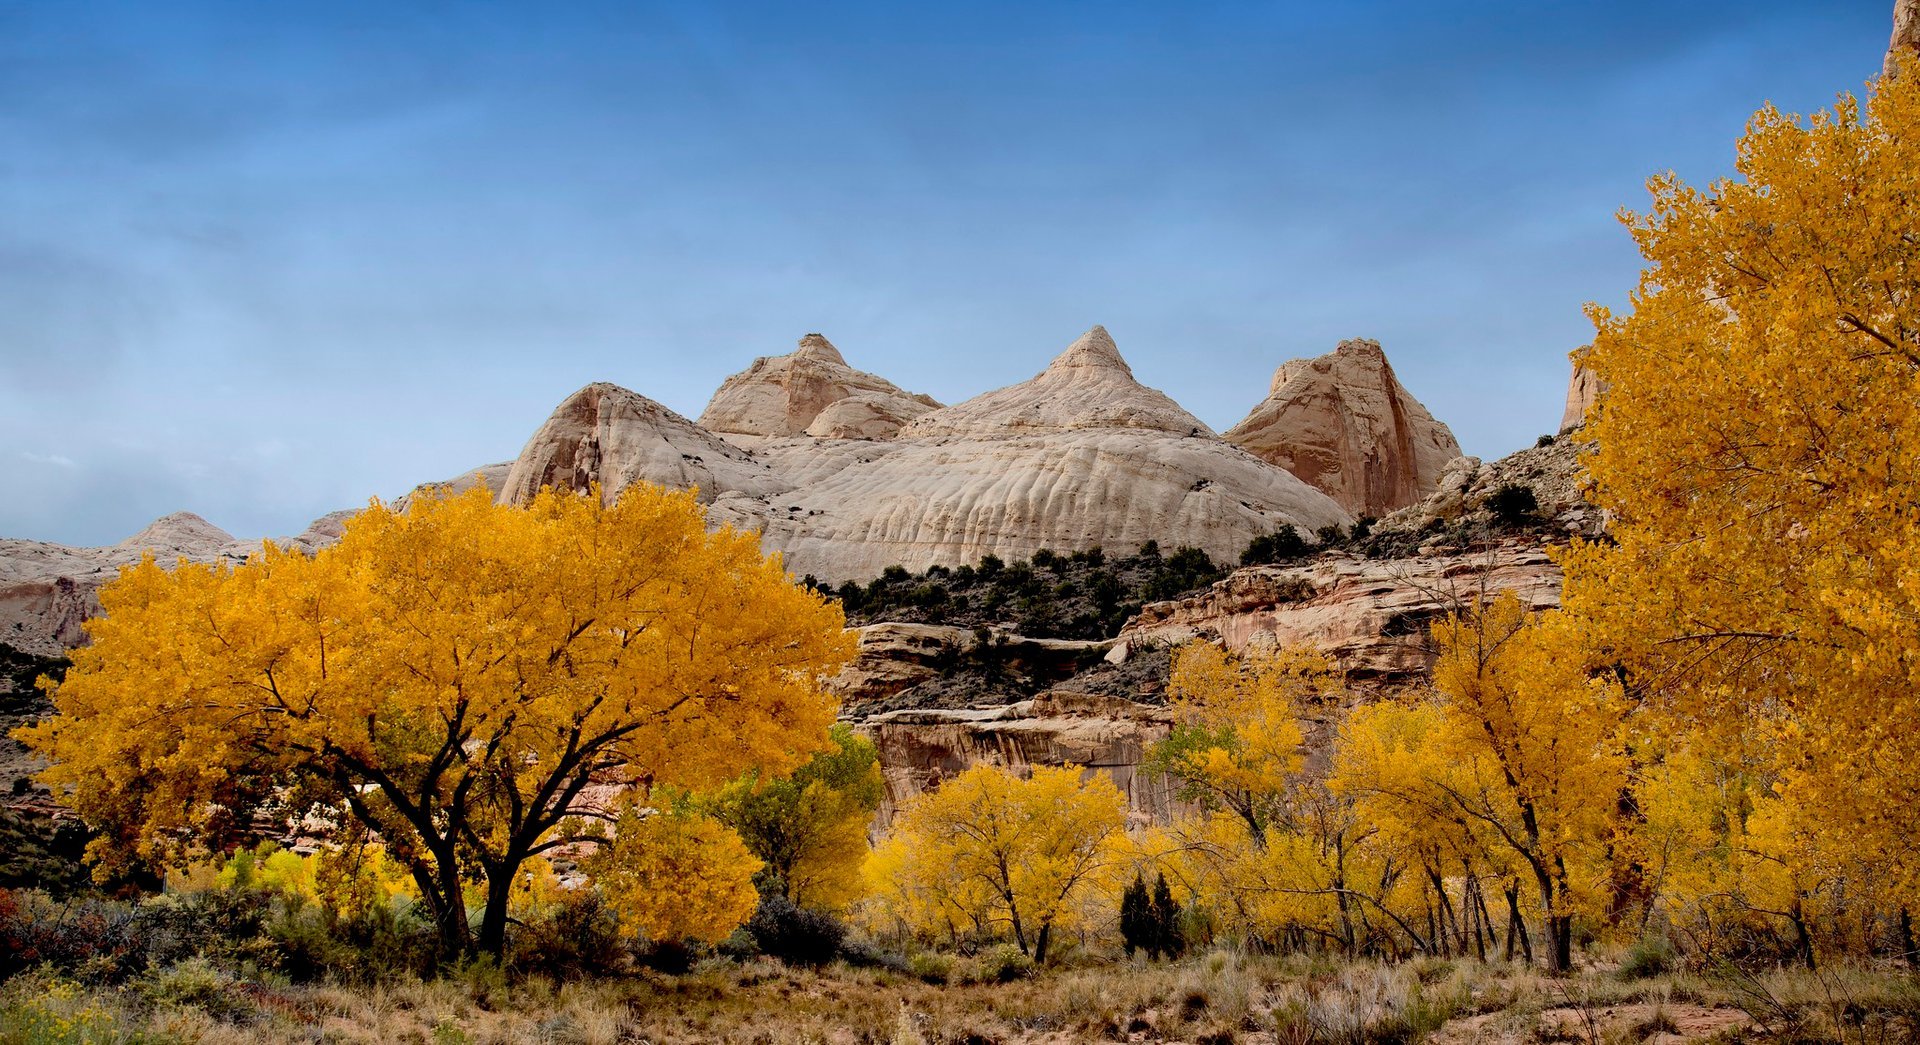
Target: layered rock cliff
[(1345, 424)]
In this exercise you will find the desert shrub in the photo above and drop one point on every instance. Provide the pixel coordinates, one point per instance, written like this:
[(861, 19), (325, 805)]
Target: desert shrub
[(196, 984), (578, 936), (673, 957), (1648, 957), (1513, 504), (931, 966), (862, 953), (104, 940), (47, 1010), (1005, 963), (379, 944), (795, 935), (1545, 440), (1282, 545)]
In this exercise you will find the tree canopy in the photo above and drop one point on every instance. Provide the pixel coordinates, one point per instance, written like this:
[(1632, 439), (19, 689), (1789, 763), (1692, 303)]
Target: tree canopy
[(1756, 448), (475, 684)]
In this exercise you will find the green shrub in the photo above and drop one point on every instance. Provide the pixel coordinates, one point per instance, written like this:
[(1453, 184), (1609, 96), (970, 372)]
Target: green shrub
[(1648, 957), (1513, 504), (1282, 545), (577, 938), (1005, 963), (931, 966)]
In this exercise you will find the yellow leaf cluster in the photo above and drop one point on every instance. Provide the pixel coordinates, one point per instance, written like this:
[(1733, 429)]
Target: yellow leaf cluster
[(990, 854)]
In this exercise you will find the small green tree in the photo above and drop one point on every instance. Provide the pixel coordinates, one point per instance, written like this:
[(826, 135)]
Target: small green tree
[(1165, 920), (1136, 918), (810, 828), (1282, 545)]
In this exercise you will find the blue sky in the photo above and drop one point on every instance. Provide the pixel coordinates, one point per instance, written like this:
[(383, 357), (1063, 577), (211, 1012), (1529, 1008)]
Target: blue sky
[(264, 261)]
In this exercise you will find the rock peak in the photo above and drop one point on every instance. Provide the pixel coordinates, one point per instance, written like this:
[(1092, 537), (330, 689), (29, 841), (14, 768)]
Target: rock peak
[(1095, 348), (179, 530), (810, 391), (816, 346), (1344, 423)]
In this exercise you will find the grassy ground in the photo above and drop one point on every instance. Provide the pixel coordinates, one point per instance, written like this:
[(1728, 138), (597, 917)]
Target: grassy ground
[(1213, 998)]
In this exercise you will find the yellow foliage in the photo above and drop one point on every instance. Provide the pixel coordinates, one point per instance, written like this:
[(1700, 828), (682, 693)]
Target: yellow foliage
[(449, 678), (677, 876), (988, 852), (1237, 742), (1756, 448), (810, 828)]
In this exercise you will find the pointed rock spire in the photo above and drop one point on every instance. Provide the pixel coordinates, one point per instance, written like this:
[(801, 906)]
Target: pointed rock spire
[(1344, 423), (1095, 348), (810, 391), (816, 346), (177, 532), (1088, 386)]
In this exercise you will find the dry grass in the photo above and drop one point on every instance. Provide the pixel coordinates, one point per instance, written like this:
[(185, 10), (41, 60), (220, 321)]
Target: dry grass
[(1216, 997)]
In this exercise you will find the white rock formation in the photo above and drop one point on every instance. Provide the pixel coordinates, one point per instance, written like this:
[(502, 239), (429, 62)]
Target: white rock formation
[(47, 590), (606, 434), (811, 391), (1081, 455), (1345, 424), (1087, 387)]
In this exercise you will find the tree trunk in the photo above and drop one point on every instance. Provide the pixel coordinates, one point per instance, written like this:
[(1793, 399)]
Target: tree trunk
[(446, 900), (1905, 927), (1560, 929), (1802, 938), (1518, 926), (1040, 944), (493, 921)]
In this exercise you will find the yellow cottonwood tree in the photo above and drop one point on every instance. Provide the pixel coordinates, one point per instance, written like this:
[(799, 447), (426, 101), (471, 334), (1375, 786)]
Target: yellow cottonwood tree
[(451, 678), (1527, 758), (1756, 447), (1236, 742), (988, 850)]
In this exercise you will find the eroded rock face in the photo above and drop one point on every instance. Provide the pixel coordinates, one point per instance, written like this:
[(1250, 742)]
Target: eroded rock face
[(1371, 616), (1082, 455), (1088, 387), (1345, 424), (1461, 497), (894, 657), (920, 749), (1583, 389), (811, 391), (606, 434), (1906, 31)]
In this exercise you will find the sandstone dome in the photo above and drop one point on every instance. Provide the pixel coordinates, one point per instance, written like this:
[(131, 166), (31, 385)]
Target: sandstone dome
[(1082, 455), (606, 434), (810, 391), (1088, 386)]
